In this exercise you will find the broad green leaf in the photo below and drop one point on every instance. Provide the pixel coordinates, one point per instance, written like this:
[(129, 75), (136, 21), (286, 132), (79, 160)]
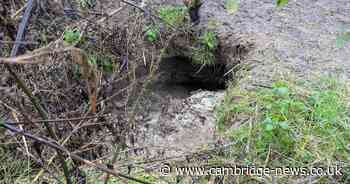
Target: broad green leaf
[(268, 124), (343, 39), (269, 127), (151, 35), (231, 6), (281, 3), (281, 91), (284, 125)]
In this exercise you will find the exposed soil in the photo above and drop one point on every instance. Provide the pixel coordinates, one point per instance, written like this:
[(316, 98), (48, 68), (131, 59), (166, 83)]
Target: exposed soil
[(174, 115), (299, 38)]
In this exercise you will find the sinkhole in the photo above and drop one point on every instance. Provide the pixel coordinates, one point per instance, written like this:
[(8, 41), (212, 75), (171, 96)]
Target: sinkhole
[(179, 76)]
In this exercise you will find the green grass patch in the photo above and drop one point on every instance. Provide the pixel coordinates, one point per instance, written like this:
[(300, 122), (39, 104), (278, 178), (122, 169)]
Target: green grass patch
[(13, 169), (289, 124), (204, 54), (173, 15)]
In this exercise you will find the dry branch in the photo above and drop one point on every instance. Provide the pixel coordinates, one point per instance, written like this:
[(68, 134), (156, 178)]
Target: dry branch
[(72, 155), (41, 55)]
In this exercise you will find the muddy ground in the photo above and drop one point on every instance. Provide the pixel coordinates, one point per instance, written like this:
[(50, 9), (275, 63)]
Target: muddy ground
[(299, 38)]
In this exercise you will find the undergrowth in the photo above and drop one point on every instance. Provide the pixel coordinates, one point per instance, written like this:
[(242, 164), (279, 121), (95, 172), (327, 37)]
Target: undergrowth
[(12, 169), (152, 33), (173, 15), (289, 124), (204, 54), (103, 62), (72, 36)]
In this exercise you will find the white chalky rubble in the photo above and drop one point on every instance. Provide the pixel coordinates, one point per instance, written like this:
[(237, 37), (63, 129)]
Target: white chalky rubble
[(186, 125)]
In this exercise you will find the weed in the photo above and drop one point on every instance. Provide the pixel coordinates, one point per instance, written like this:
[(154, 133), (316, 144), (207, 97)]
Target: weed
[(205, 53), (152, 33), (173, 15), (209, 40), (72, 36), (96, 177), (300, 124), (103, 63), (13, 169), (202, 56)]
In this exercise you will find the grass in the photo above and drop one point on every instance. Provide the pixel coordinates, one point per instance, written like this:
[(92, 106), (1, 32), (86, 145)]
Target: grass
[(12, 169), (205, 53), (96, 177), (173, 15), (291, 123)]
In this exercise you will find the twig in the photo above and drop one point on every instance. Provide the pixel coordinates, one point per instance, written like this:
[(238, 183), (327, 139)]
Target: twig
[(27, 91), (39, 162), (72, 155), (58, 120), (22, 26), (32, 58), (18, 11), (20, 42), (262, 86), (21, 128), (110, 14)]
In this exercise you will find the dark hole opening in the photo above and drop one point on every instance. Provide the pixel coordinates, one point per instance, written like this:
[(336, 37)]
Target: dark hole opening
[(179, 77)]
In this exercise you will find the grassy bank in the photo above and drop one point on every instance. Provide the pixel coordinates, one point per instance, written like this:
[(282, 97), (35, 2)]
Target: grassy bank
[(289, 124)]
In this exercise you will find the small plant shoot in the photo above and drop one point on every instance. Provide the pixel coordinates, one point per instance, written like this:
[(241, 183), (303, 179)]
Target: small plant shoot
[(173, 15), (72, 36)]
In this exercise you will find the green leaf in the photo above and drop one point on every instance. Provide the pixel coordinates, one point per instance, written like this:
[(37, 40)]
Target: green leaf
[(231, 6), (284, 125), (210, 45), (92, 60), (342, 39), (72, 36), (281, 3), (268, 124), (151, 35), (269, 127), (108, 67), (281, 91)]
